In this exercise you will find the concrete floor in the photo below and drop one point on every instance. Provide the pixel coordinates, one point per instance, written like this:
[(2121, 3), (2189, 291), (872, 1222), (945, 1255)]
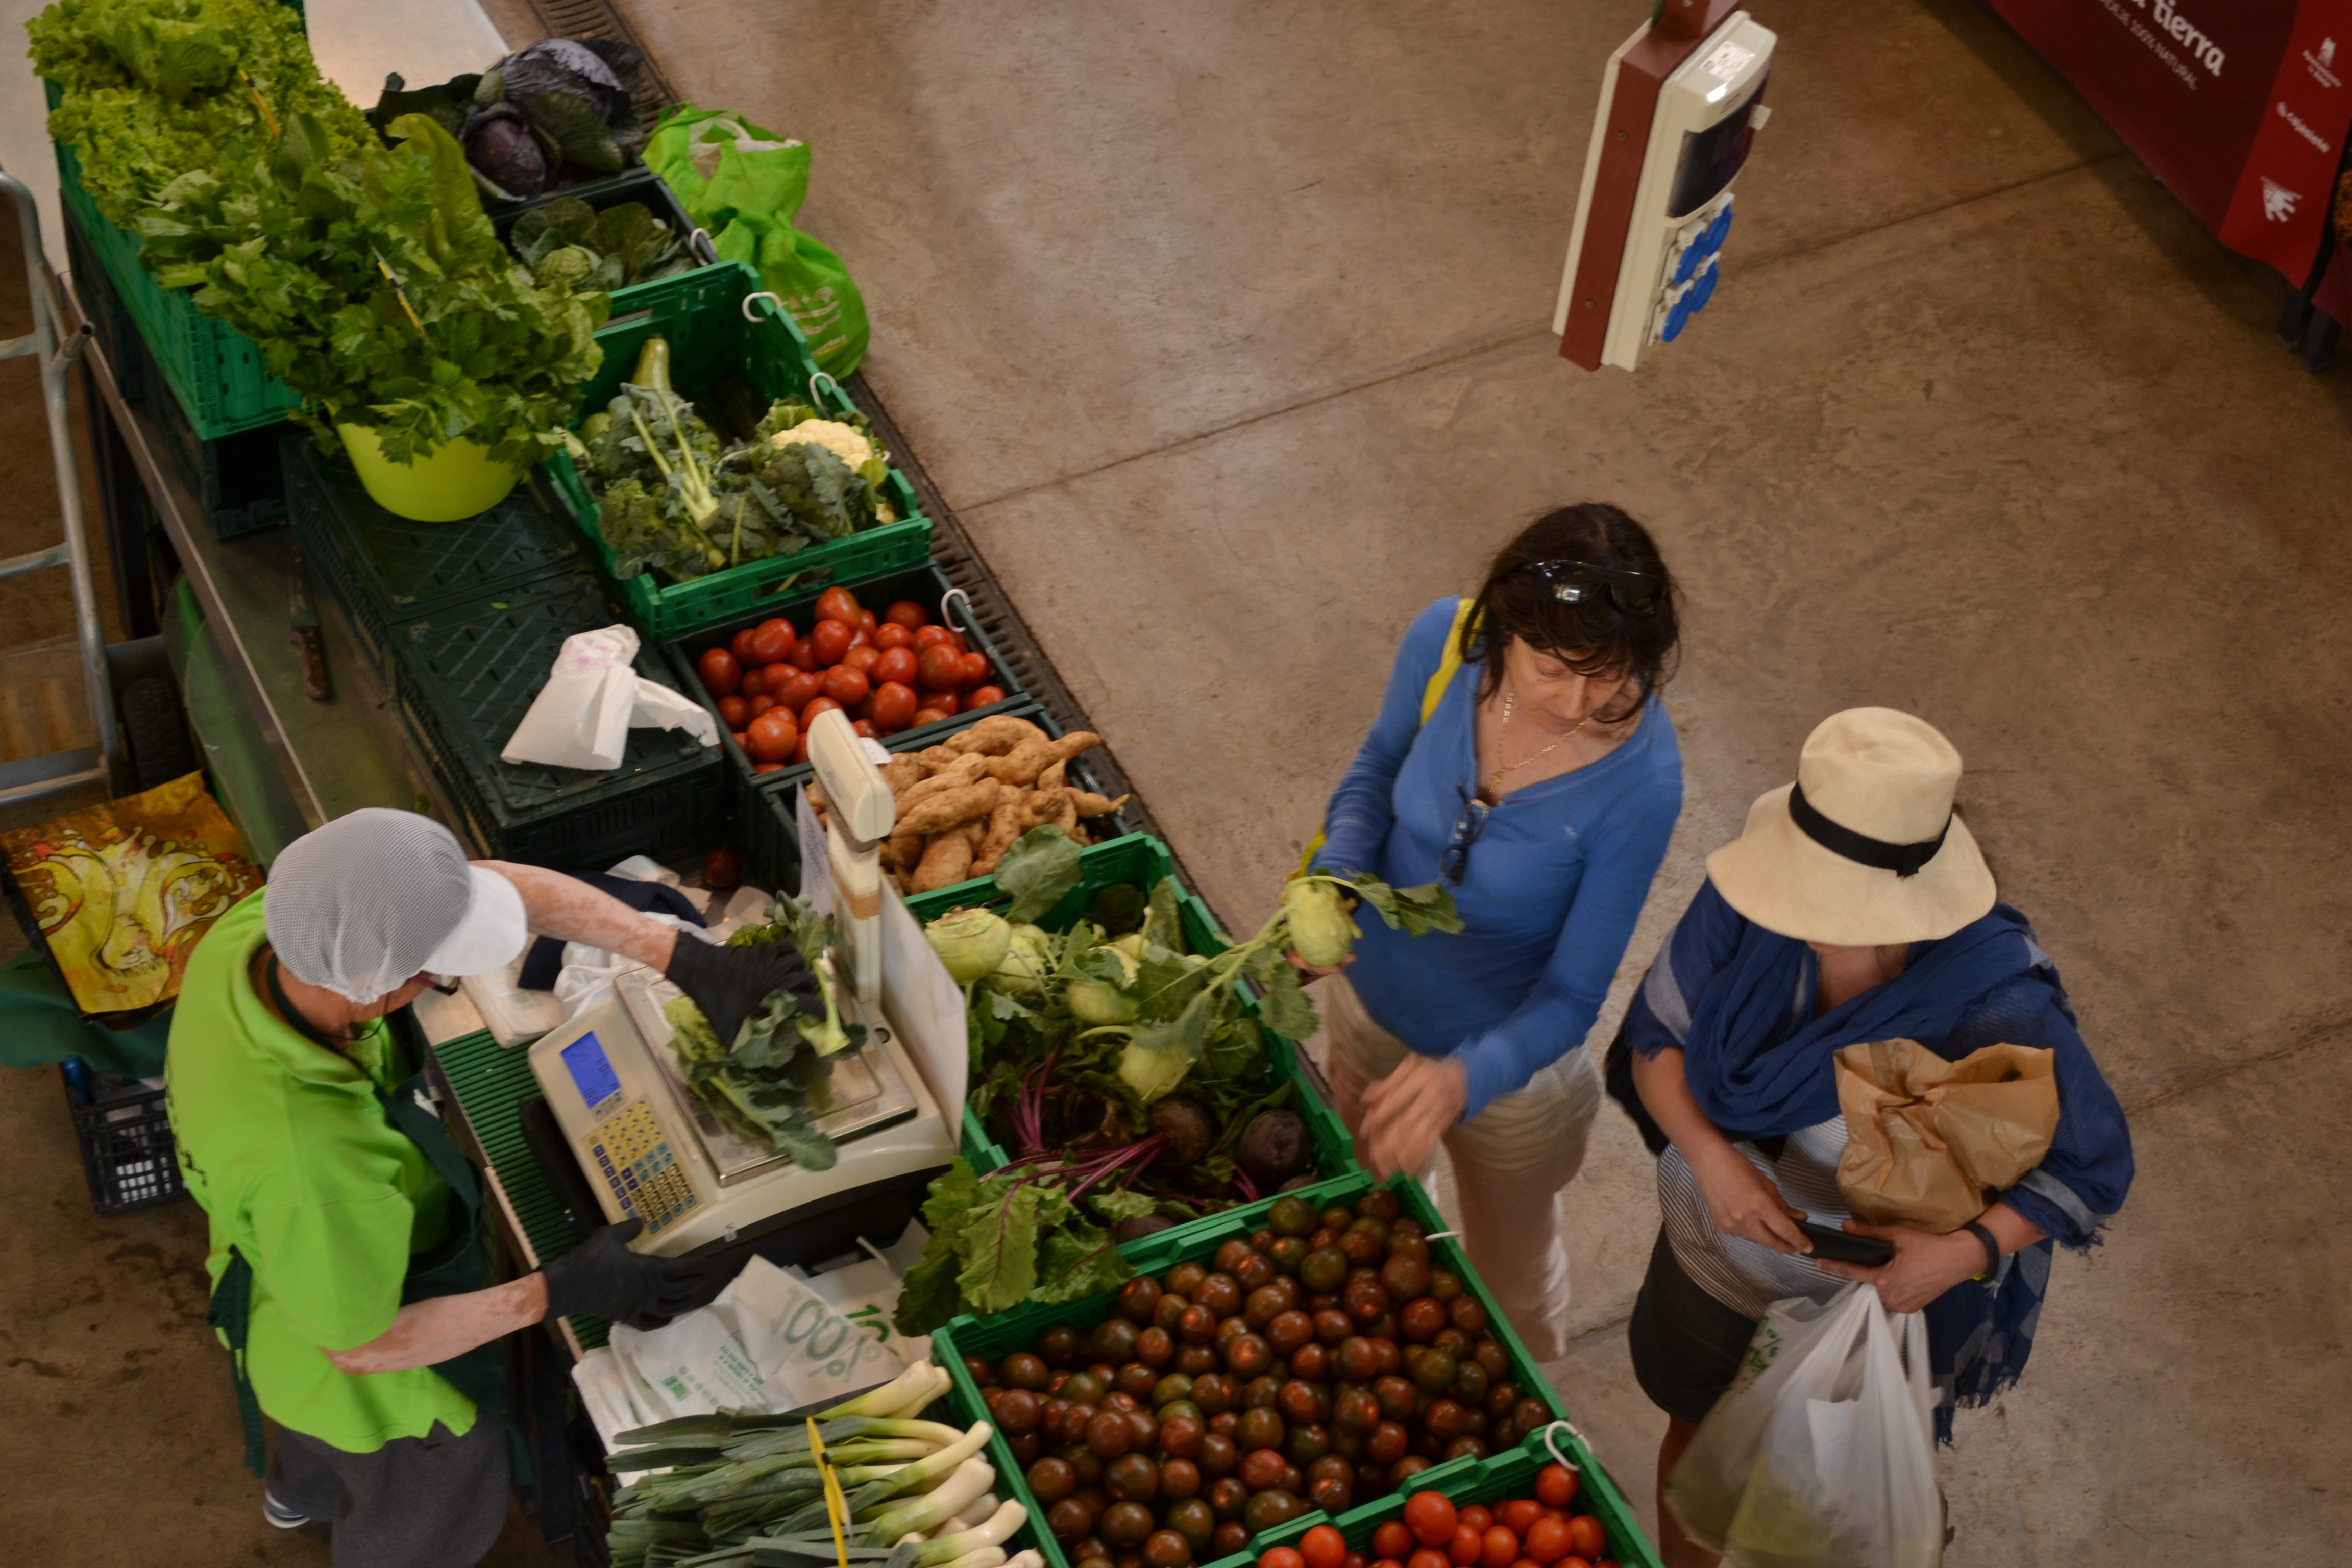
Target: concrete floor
[(1224, 329)]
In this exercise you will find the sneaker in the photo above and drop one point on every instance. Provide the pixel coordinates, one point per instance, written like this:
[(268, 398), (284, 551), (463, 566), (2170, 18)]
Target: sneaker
[(279, 1515)]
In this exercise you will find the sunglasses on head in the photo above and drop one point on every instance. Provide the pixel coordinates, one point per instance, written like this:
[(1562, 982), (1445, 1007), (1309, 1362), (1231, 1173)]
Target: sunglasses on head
[(1581, 582)]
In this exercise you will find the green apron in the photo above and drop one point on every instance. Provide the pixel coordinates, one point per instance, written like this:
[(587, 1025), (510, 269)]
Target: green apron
[(457, 1266)]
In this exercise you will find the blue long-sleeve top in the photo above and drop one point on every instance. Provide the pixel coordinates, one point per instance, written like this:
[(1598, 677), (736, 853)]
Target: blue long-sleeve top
[(1552, 888)]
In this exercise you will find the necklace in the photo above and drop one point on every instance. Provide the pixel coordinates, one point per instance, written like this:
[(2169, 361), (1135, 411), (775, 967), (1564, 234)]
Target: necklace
[(1510, 706)]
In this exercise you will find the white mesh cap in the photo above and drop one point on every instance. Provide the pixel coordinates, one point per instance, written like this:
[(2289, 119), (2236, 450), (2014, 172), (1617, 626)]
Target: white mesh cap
[(374, 898)]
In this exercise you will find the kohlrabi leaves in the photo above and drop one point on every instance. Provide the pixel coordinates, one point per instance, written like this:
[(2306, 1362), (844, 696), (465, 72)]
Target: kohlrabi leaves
[(1036, 871)]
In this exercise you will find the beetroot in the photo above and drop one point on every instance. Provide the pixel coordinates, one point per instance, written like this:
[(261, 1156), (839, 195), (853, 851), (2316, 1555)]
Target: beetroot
[(1274, 1148)]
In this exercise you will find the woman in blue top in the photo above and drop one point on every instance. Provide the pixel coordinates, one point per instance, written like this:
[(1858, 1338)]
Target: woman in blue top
[(1522, 755)]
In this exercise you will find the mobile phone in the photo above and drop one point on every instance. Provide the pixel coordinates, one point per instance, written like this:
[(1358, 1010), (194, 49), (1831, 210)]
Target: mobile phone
[(1844, 1246)]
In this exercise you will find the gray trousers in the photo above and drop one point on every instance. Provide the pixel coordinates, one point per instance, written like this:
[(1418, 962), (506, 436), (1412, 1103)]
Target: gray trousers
[(434, 1501)]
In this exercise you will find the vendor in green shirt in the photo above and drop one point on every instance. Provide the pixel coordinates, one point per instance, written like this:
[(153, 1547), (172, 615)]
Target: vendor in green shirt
[(349, 1277)]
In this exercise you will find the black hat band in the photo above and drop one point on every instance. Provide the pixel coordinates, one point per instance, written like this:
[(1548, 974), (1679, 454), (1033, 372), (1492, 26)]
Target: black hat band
[(1902, 859)]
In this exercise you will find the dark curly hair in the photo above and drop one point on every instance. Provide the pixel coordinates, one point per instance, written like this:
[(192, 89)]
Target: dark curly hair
[(1593, 635)]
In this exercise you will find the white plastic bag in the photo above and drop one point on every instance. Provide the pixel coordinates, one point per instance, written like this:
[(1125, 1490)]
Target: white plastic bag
[(1822, 1454), (593, 696)]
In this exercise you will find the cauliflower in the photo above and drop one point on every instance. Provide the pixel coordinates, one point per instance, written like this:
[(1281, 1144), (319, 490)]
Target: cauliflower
[(850, 445)]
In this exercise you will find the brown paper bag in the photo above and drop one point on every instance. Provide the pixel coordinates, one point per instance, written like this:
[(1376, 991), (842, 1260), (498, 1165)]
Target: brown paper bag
[(1929, 1141)]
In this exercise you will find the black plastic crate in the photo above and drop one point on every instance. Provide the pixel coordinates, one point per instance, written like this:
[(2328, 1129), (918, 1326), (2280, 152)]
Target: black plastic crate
[(386, 571), (238, 478), (637, 183), (465, 676), (127, 1149)]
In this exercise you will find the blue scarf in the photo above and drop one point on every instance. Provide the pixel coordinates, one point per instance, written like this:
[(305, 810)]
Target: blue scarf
[(1751, 1073)]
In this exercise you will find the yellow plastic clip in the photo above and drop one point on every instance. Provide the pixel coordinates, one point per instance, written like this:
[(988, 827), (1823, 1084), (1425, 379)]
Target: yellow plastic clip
[(836, 1507), (260, 103), (398, 293)]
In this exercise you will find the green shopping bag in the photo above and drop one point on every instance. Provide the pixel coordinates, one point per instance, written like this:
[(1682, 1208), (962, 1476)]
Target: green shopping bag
[(744, 185)]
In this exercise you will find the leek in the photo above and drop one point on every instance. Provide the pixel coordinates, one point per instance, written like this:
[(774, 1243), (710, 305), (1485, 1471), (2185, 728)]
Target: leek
[(968, 1483), (889, 1398)]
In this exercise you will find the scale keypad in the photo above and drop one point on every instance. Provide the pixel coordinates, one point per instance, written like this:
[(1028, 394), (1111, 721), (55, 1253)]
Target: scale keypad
[(636, 1162)]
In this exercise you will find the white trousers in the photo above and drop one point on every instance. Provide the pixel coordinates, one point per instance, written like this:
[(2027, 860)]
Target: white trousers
[(1510, 1163)]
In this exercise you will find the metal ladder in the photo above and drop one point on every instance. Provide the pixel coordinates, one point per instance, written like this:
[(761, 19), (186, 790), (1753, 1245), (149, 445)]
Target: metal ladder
[(32, 777)]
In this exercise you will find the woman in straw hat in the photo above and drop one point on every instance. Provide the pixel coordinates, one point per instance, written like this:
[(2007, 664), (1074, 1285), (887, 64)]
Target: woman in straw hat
[(1855, 907)]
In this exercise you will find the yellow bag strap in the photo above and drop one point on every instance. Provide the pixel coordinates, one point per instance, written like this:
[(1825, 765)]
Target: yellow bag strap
[(1448, 662)]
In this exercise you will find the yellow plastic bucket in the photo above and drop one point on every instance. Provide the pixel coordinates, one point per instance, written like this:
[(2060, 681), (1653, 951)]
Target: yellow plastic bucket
[(456, 480)]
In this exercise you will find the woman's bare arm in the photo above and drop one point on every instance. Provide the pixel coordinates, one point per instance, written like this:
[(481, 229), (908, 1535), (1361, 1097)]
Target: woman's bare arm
[(569, 910), (424, 1333)]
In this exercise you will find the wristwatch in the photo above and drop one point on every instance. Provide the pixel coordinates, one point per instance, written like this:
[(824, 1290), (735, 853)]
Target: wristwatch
[(1992, 1247)]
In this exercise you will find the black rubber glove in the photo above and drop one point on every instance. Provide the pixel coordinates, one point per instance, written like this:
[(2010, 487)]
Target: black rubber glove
[(601, 1278), (730, 983)]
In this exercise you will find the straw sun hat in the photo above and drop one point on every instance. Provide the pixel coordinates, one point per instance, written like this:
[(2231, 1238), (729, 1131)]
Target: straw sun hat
[(1864, 849)]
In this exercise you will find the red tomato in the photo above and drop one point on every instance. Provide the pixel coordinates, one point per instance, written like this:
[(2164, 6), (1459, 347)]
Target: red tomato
[(982, 696), (740, 645), (831, 639), (941, 668), (1548, 1539), (1477, 1516), (773, 735), (893, 707), (925, 716), (866, 728), (1520, 1513), (770, 767), (925, 636), (837, 604), (800, 752), (865, 621), (860, 638), (773, 677), (945, 702), (721, 869), (846, 685), (771, 639), (1498, 1547), (976, 669), (1430, 1516), (1585, 1537), (1466, 1546), (861, 660), (1392, 1539), (1280, 1557), (908, 614), (795, 692), (1386, 1563), (1323, 1547), (1427, 1557), (1554, 1486), (734, 712), (756, 706), (816, 705), (1355, 1560), (753, 683), (804, 654), (956, 641), (898, 664), (890, 634), (1527, 1562), (743, 741), (722, 672)]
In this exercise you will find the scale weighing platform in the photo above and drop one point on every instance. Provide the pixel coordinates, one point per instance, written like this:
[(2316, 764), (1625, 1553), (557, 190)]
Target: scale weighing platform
[(621, 1129)]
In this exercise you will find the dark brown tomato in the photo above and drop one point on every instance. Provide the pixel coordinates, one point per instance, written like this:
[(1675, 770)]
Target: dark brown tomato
[(1286, 1332), (1380, 1204), (993, 1397), (1468, 1314), (1024, 1369), (982, 1373), (1391, 1353), (1170, 1311), (1358, 1360), (1179, 1478), (1084, 1463), (1154, 1347), (1265, 1304), (1260, 1392), (1385, 1443), (1322, 1237), (1383, 1327), (1311, 1360), (1137, 1379), (1225, 1423), (1146, 1429), (1232, 1536), (1183, 1280), (1331, 1325), (1444, 1285), (1405, 1278), (1348, 1446), (1365, 1300), (1227, 1495), (1404, 1470), (1492, 1357), (1445, 1420), (1017, 1412), (1357, 1411), (1301, 1401), (1195, 1325), (1131, 1477), (1219, 1455), (1331, 1468), (1290, 1216), (1194, 1360), (1396, 1395), (1254, 1270), (1362, 1247), (1230, 1329), (1403, 1243), (1229, 1255), (1059, 1346), (1376, 1227), (1503, 1433), (1469, 1383), (1531, 1415), (1220, 1293), (1306, 1444), (1500, 1398), (1433, 1373), (1168, 1390), (1260, 1429), (1076, 1418), (1108, 1434), (1337, 1218), (1113, 1340), (1466, 1446), (1068, 1520), (1261, 1470), (1083, 1388), (1422, 1319), (1248, 1356), (1261, 1238), (1452, 1342), (1264, 1510), (1286, 1254), (1121, 1399), (1166, 1549), (1190, 1517), (1137, 1299), (1089, 1549), (1124, 1525), (1026, 1449), (1477, 1423), (1294, 1294), (1333, 1497), (1052, 1479), (1214, 1393), (1180, 1436), (1181, 1410)]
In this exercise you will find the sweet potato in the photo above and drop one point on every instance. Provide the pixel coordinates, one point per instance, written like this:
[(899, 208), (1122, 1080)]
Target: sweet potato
[(1071, 744), (1040, 807), (902, 852), (1006, 825), (1065, 814), (937, 756), (1054, 775), (1023, 765), (949, 808), (947, 860), (902, 774), (995, 736), (965, 771), (1091, 804)]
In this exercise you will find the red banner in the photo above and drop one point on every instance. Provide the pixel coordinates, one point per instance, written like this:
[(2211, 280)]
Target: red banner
[(2240, 106)]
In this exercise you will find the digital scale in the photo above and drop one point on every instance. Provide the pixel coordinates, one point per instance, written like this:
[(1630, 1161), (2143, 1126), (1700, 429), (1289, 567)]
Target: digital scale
[(1680, 106), (623, 1135)]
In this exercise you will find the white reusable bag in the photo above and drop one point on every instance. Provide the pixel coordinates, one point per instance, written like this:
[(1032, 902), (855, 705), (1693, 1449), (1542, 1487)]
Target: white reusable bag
[(1822, 1454), (593, 697)]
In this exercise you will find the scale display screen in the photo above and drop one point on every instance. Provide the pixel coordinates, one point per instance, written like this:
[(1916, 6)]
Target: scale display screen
[(1711, 157), (591, 1070)]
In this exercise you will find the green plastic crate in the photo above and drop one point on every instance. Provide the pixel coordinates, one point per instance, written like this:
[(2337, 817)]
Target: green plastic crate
[(990, 1339), (466, 675), (1139, 860), (490, 1084), (1509, 1474), (702, 314), (634, 183), (216, 371)]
